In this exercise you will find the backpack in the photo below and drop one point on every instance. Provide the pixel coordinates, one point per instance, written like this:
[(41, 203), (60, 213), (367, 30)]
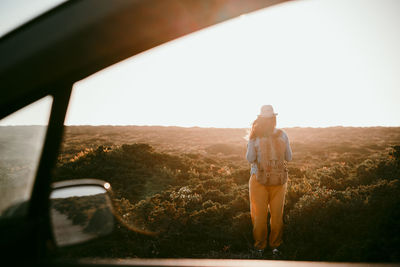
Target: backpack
[(271, 167)]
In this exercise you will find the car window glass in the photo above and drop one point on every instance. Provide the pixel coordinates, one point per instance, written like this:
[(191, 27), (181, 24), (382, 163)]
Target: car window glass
[(22, 136)]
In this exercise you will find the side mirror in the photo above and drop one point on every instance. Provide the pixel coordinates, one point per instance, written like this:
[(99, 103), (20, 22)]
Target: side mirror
[(80, 210)]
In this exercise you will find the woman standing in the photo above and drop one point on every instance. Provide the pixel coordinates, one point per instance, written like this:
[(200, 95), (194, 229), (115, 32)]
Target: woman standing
[(267, 151)]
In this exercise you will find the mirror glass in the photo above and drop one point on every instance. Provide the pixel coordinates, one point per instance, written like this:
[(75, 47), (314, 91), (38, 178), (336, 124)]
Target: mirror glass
[(80, 213)]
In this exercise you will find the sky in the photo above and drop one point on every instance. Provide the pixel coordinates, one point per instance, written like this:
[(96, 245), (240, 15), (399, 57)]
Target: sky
[(14, 13), (320, 63)]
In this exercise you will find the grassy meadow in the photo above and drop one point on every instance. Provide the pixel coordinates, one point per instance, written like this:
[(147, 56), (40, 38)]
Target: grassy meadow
[(183, 192)]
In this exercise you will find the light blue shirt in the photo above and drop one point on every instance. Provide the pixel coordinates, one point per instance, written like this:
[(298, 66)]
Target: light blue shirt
[(253, 147)]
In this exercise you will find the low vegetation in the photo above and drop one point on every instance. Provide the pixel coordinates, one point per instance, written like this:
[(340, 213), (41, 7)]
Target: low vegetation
[(184, 191)]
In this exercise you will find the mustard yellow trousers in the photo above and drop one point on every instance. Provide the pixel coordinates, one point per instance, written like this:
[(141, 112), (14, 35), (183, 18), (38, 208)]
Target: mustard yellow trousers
[(261, 198)]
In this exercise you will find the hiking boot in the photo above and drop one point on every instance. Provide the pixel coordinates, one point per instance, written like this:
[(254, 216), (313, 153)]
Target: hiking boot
[(276, 254), (258, 254)]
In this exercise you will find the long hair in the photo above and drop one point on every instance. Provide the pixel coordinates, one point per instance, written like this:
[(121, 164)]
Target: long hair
[(263, 127)]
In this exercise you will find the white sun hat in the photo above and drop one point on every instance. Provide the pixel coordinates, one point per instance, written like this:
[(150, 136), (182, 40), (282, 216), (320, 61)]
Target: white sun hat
[(267, 111)]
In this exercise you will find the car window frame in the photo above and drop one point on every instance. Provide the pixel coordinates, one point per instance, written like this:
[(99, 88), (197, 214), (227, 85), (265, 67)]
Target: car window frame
[(60, 87)]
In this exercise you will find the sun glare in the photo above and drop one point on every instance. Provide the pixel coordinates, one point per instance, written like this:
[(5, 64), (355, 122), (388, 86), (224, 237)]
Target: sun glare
[(319, 63)]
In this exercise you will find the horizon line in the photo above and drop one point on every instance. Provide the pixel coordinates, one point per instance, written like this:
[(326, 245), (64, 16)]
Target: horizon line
[(205, 127)]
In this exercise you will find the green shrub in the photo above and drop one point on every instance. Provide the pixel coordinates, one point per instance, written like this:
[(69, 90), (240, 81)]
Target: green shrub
[(197, 206), (357, 224)]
